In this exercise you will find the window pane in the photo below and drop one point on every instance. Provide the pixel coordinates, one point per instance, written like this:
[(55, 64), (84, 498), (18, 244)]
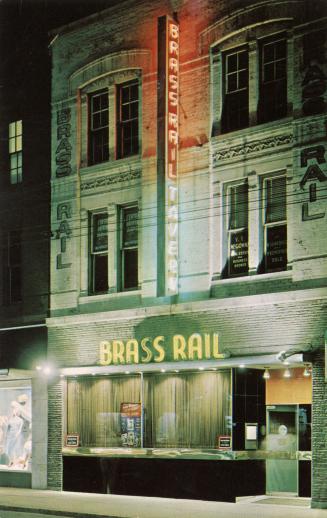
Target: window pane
[(130, 268), (242, 60), (19, 143), (280, 69), (276, 248), (238, 206), (238, 252), (100, 273), (130, 226), (268, 52), (231, 62), (13, 161), (280, 49), (100, 232), (269, 73), (276, 199), (12, 129), (231, 82)]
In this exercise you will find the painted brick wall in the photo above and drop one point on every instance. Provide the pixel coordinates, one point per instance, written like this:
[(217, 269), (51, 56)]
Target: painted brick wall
[(319, 434), (55, 416)]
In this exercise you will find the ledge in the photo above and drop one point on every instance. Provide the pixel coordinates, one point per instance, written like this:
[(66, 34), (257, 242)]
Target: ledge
[(184, 453)]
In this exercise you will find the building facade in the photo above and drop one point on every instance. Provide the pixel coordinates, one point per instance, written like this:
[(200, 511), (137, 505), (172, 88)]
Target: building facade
[(24, 257), (188, 259)]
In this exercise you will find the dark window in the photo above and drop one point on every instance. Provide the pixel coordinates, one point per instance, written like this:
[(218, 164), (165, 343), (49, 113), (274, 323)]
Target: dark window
[(12, 268), (127, 119), (99, 128), (238, 230), (129, 248), (273, 81), (275, 224), (99, 253), (16, 151), (236, 91)]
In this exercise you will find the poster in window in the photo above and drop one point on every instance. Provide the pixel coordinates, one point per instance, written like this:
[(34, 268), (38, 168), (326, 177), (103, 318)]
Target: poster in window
[(238, 253), (130, 227), (100, 237), (130, 424), (276, 250)]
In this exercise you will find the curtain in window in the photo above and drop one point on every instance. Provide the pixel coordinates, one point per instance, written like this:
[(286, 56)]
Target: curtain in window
[(187, 409), (93, 407)]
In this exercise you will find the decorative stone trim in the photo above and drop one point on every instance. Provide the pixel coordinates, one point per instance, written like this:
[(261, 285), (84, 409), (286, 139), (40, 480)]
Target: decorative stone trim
[(128, 59), (252, 147), (108, 180)]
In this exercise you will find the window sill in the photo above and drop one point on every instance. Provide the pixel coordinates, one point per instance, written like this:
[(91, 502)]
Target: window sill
[(262, 127), (254, 278), (85, 299)]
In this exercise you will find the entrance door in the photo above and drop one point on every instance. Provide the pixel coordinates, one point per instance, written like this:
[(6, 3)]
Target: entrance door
[(282, 436)]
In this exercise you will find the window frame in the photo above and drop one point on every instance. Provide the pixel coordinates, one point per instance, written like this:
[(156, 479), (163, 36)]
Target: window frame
[(121, 124), (100, 253), (123, 248), (267, 225), (279, 86), (15, 150), (103, 131), (236, 95), (231, 230)]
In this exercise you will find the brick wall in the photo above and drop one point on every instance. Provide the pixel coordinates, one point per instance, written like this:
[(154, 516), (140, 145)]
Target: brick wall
[(319, 434), (55, 417)]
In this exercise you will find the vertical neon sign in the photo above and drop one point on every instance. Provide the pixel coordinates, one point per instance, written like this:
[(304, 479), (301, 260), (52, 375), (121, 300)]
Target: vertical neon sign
[(168, 91)]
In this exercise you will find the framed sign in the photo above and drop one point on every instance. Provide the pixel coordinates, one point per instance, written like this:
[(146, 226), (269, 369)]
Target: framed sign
[(72, 440), (224, 442)]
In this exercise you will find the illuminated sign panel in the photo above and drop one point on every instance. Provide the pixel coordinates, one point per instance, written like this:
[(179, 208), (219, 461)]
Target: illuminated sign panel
[(172, 77), (197, 346), (168, 81)]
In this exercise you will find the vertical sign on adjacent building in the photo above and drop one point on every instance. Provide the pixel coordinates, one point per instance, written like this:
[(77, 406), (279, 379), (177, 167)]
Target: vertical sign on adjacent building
[(167, 147)]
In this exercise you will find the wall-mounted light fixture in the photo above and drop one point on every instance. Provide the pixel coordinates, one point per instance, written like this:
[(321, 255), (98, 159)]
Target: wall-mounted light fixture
[(287, 373), (266, 374)]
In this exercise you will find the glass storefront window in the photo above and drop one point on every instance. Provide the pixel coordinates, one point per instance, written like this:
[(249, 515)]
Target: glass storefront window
[(178, 410), (15, 427)]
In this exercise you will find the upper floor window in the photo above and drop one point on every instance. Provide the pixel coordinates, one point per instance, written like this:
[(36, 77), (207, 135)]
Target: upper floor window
[(237, 229), (99, 127), (12, 268), (273, 83), (99, 252), (15, 151), (129, 247), (249, 83), (127, 119), (236, 90), (275, 229), (113, 122)]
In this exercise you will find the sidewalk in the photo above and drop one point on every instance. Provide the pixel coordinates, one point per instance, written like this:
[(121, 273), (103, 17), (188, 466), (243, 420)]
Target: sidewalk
[(88, 505)]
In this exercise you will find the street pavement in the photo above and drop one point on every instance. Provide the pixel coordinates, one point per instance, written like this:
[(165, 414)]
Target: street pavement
[(28, 503)]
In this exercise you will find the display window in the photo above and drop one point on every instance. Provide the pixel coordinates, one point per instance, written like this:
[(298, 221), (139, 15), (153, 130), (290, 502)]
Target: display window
[(15, 427), (153, 410)]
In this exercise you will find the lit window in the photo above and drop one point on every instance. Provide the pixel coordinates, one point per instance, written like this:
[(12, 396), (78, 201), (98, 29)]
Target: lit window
[(12, 274), (127, 119), (15, 151), (236, 94), (129, 248), (273, 87), (99, 128), (275, 229), (99, 253), (238, 229)]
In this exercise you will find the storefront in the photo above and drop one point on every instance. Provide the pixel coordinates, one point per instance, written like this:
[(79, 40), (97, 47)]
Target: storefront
[(178, 414), (23, 408)]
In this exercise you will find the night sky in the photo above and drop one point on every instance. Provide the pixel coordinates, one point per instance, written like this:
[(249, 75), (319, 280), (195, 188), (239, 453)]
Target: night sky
[(24, 39)]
